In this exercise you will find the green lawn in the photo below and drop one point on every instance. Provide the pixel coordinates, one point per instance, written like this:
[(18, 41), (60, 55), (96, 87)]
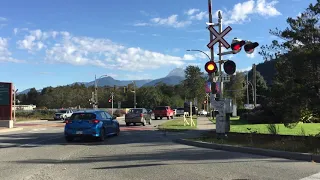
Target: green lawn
[(240, 126), (177, 125)]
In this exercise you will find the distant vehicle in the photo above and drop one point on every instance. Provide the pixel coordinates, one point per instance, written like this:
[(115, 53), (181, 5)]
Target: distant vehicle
[(91, 123), (163, 111), (63, 114), (202, 112), (138, 115), (180, 112), (187, 108)]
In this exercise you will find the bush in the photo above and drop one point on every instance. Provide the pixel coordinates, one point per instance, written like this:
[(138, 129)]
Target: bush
[(35, 114), (261, 115), (242, 111)]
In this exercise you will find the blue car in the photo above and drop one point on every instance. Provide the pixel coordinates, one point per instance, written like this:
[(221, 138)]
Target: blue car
[(91, 123)]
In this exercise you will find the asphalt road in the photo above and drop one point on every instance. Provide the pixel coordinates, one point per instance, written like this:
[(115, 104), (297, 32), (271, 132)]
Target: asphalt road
[(138, 153)]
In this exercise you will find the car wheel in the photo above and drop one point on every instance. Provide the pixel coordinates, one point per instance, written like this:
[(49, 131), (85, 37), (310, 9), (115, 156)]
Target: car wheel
[(127, 124), (171, 117), (160, 117), (168, 117), (144, 122), (118, 131), (102, 135), (68, 138)]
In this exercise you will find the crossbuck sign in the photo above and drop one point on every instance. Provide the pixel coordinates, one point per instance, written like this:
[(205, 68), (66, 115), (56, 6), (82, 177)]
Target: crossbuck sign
[(219, 37)]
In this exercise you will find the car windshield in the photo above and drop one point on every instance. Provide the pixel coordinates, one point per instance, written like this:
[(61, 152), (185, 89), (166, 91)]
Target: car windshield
[(62, 111), (135, 111), (83, 116), (161, 108)]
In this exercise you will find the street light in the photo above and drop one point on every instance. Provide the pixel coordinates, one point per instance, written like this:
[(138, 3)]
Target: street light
[(96, 88), (201, 52)]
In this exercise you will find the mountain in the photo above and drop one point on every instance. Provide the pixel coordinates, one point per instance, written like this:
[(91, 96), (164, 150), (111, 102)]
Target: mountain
[(109, 81), (173, 78), (177, 72), (27, 90)]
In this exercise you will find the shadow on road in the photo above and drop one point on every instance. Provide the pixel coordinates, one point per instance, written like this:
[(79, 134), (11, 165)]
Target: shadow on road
[(151, 148)]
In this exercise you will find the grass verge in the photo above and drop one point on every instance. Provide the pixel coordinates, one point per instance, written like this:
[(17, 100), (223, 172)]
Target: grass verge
[(240, 126), (177, 125), (289, 143)]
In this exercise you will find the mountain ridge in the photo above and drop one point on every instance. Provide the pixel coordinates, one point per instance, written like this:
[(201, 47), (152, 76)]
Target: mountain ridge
[(174, 77)]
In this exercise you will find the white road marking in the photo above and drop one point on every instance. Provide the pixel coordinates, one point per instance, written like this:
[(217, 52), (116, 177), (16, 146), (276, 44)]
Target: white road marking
[(312, 177)]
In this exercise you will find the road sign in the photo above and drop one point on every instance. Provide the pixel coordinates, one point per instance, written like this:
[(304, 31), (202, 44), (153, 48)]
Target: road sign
[(5, 94), (224, 78), (219, 37)]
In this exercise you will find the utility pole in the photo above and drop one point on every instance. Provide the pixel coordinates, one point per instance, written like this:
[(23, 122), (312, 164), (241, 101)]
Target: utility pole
[(247, 83), (254, 74), (112, 95), (134, 95), (96, 91), (92, 100), (14, 103)]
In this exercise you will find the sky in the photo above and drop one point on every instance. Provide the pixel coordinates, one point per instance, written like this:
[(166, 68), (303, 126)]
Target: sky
[(51, 43)]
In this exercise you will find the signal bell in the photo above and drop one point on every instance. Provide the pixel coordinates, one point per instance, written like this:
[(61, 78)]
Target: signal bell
[(210, 67)]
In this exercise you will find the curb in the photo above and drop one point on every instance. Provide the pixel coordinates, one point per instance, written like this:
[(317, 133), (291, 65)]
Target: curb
[(32, 121), (11, 129), (258, 151)]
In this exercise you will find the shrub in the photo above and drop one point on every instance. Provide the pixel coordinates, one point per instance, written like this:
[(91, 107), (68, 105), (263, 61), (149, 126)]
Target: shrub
[(273, 129), (261, 115)]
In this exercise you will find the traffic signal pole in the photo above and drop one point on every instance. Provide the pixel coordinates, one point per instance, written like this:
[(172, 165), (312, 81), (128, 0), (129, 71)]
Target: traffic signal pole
[(212, 79)]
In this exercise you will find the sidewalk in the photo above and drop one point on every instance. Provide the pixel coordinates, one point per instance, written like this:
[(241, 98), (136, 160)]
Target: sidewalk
[(205, 124)]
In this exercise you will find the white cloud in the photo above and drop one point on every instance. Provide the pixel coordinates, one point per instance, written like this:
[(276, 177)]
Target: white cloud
[(199, 16), (252, 55), (196, 14), (63, 47), (230, 56), (34, 40), (170, 21), (192, 11), (189, 57), (245, 69), (241, 11), (141, 24), (5, 54), (3, 19), (15, 31)]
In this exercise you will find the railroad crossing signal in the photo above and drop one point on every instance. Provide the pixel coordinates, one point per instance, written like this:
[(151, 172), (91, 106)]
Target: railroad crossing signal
[(250, 46), (219, 37), (229, 67), (210, 67), (236, 45)]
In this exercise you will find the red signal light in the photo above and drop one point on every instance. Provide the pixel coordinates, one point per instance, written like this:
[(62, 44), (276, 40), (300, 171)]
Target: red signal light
[(249, 47), (210, 67), (109, 100), (229, 67), (237, 45)]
